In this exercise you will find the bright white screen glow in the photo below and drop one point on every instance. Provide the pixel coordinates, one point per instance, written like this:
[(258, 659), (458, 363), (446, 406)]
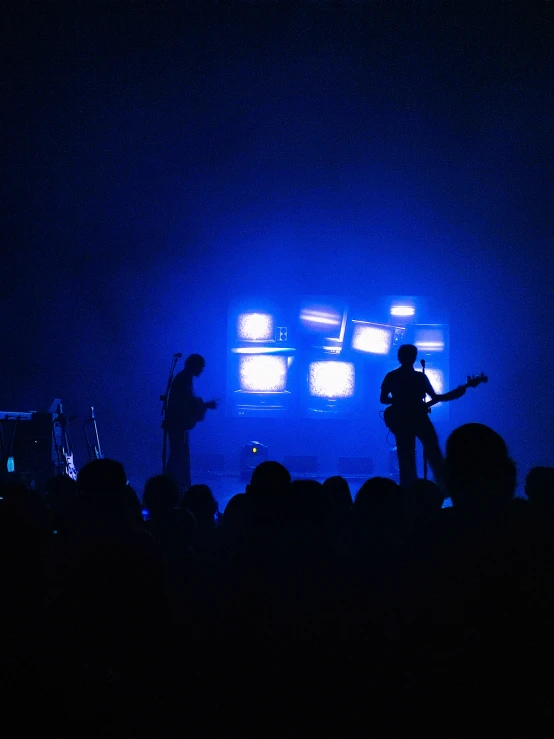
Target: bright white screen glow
[(255, 327), (402, 310), (436, 378), (331, 379), (372, 339), (263, 373), (320, 318), (430, 340)]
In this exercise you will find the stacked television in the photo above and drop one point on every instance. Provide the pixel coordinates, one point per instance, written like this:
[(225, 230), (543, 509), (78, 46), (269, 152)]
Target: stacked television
[(321, 357)]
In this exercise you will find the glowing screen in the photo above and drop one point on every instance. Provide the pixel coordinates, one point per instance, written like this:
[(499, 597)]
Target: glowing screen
[(328, 379), (322, 319), (310, 356), (262, 373), (255, 327), (429, 339), (436, 378), (372, 339), (402, 310)]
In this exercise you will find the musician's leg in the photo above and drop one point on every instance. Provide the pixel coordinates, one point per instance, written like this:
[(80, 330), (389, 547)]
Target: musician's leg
[(186, 461), (428, 436), (405, 447), (176, 465)]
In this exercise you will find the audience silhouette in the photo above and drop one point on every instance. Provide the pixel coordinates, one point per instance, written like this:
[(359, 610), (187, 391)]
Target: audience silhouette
[(297, 612), (539, 486)]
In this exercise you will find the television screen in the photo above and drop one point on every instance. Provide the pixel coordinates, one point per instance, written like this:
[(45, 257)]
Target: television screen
[(263, 373), (255, 327), (402, 310), (372, 338), (430, 338), (302, 356), (436, 378), (322, 319), (331, 379)]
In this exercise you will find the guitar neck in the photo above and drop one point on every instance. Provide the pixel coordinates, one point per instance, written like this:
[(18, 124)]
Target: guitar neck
[(452, 394), (446, 397)]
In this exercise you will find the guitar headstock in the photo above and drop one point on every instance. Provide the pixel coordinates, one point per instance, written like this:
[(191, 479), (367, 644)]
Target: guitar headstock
[(474, 380)]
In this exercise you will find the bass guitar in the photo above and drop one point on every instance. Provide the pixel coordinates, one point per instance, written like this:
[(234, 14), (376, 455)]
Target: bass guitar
[(395, 418)]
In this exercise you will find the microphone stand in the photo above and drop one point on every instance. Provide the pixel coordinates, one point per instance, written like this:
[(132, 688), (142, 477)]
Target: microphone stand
[(425, 463), (94, 448), (164, 399)]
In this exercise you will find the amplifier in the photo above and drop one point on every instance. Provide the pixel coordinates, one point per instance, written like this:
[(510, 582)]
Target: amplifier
[(16, 415), (356, 467), (210, 464), (302, 466), (26, 439)]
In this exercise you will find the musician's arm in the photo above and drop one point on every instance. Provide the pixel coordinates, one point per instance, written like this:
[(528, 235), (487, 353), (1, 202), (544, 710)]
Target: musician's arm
[(385, 396), (454, 394), (435, 397), (445, 397)]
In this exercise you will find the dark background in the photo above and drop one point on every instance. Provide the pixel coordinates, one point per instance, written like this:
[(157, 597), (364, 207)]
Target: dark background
[(160, 159)]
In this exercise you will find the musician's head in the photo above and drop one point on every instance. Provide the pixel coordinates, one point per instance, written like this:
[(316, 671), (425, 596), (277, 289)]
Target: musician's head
[(407, 354), (194, 364)]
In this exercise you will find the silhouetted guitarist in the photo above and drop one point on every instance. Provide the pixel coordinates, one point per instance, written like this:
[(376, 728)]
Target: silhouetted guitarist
[(184, 410), (405, 390)]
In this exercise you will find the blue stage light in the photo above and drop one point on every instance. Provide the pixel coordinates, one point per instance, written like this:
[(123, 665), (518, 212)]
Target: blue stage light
[(328, 379), (372, 338), (252, 454), (255, 327), (263, 373)]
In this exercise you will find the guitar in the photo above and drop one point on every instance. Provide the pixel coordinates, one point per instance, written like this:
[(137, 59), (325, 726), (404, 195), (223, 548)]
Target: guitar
[(62, 444), (394, 417), (198, 412), (187, 420)]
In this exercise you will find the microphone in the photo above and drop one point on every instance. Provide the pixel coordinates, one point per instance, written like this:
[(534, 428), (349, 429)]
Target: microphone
[(422, 362), (178, 355)]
